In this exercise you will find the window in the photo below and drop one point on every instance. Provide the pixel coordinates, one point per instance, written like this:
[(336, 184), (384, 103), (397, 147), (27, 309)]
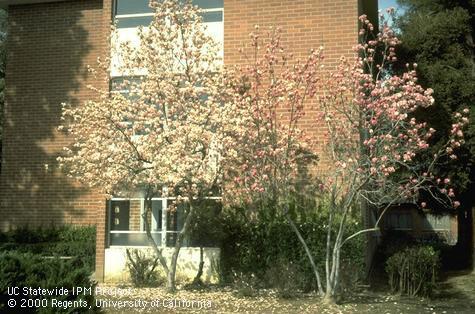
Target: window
[(398, 220), (127, 87), (119, 215), (126, 227), (124, 84), (129, 14), (134, 13), (436, 223)]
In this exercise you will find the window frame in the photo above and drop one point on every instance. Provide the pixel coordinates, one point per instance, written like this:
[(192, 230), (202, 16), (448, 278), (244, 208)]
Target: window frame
[(116, 18), (397, 215), (164, 232)]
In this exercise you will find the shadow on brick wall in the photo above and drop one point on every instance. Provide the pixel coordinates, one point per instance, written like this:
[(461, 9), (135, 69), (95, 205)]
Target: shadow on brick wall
[(49, 47)]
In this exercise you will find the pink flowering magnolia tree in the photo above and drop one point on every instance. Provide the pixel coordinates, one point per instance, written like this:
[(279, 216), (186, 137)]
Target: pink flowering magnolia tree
[(162, 137), (271, 163), (269, 148), (374, 142), (372, 139), (270, 152)]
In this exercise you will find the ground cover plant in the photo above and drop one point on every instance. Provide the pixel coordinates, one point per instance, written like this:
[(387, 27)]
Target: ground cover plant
[(454, 295)]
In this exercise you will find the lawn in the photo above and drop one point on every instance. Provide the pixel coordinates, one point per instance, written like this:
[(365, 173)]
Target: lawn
[(454, 295)]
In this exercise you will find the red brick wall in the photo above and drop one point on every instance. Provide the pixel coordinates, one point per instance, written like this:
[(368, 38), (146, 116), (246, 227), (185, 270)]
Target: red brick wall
[(135, 215), (48, 49), (49, 46), (306, 24)]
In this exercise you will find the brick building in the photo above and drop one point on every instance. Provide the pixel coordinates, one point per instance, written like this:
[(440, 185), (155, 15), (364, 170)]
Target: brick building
[(50, 43)]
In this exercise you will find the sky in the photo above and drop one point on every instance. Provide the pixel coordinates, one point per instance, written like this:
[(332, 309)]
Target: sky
[(384, 4)]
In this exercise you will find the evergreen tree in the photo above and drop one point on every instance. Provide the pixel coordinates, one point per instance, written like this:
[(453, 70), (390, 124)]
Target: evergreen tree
[(439, 36)]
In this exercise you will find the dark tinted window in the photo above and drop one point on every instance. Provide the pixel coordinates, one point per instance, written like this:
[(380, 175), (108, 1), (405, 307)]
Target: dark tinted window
[(119, 215), (214, 16), (125, 7), (132, 7), (157, 213), (209, 4), (141, 6), (134, 21)]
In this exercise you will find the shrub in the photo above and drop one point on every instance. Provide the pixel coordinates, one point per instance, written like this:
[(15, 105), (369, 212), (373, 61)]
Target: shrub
[(205, 230), (142, 269), (286, 277), (69, 240), (73, 233), (256, 247), (85, 251), (351, 271), (413, 271), (28, 270), (66, 233), (246, 284), (395, 241)]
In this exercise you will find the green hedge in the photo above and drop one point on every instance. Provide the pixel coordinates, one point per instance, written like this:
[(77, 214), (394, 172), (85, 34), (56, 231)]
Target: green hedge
[(256, 247), (30, 270), (69, 240)]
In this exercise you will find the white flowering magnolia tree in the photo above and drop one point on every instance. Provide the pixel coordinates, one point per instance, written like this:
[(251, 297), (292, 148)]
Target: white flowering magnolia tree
[(162, 136)]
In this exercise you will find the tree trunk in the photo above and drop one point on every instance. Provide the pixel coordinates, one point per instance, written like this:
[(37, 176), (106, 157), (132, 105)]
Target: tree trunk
[(328, 299), (309, 254), (197, 279), (151, 240), (328, 256), (171, 278)]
